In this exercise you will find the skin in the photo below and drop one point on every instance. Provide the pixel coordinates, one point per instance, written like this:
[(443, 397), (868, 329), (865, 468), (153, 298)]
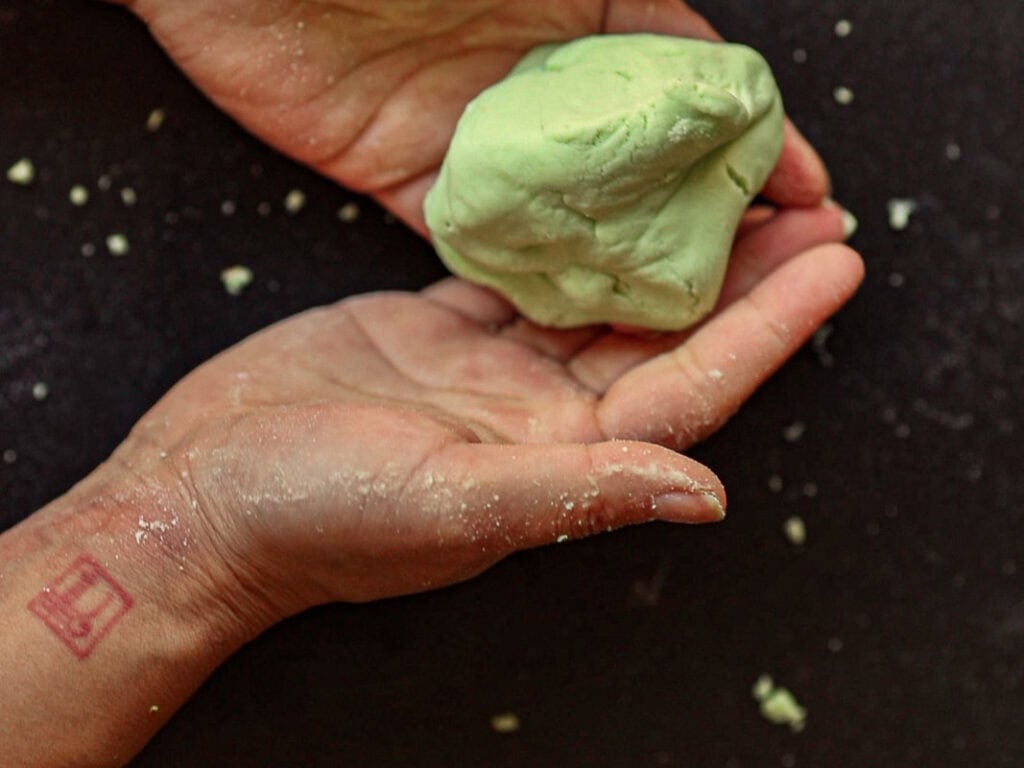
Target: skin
[(390, 443), (344, 85)]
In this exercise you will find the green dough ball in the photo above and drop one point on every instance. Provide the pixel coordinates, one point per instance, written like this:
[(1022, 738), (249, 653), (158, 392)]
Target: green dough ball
[(603, 179)]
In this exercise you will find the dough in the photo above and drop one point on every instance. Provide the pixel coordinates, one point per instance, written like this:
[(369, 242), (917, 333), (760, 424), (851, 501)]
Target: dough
[(603, 179)]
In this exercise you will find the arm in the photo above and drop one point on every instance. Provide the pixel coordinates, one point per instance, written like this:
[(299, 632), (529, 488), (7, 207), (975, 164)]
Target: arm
[(113, 613), (382, 446)]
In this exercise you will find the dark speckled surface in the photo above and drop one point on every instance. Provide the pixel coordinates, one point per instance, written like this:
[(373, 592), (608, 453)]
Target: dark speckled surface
[(900, 624)]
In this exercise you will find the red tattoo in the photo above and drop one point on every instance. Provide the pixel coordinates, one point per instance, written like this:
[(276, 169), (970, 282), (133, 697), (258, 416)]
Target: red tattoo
[(82, 605)]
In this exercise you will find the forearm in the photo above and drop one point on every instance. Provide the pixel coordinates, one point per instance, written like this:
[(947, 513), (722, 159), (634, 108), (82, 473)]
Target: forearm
[(110, 619)]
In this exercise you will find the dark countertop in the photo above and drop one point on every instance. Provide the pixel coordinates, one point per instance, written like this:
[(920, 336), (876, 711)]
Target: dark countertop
[(900, 623)]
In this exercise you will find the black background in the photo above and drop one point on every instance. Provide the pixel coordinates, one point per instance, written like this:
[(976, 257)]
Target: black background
[(638, 648)]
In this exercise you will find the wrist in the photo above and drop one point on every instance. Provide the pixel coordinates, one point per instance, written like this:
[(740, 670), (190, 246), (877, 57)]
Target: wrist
[(148, 528), (112, 587)]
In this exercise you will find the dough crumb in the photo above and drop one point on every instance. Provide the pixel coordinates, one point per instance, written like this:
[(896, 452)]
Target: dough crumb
[(795, 530), (843, 28), (154, 708), (155, 120), (78, 195), (22, 172), (505, 722), (842, 95), (295, 201), (40, 391), (117, 244), (850, 224), (900, 210), (128, 196), (236, 279), (794, 432), (349, 212), (778, 705)]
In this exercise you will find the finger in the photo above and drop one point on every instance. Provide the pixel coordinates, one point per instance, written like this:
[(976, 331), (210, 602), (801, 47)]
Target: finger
[(682, 396), (754, 217), (764, 248), (800, 177), (479, 304), (787, 234), (405, 200), (510, 497), (665, 17)]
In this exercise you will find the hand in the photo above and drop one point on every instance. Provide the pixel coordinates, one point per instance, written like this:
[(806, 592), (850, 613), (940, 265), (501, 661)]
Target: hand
[(396, 442), (368, 92)]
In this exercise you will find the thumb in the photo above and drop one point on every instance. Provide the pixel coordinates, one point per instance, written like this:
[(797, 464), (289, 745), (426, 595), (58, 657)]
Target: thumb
[(510, 497)]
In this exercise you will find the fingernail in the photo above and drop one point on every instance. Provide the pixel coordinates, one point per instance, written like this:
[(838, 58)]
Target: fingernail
[(697, 507)]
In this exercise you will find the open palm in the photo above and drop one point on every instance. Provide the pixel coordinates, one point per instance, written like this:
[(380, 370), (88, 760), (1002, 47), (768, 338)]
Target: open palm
[(368, 92), (394, 442)]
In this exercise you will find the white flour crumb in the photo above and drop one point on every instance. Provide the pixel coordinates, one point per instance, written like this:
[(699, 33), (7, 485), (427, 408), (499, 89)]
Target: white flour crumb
[(843, 28), (152, 526), (128, 196), (953, 151), (799, 55), (88, 249), (10, 456), (40, 391)]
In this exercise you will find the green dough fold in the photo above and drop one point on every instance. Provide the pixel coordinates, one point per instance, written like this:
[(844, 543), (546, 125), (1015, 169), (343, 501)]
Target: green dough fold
[(602, 181)]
